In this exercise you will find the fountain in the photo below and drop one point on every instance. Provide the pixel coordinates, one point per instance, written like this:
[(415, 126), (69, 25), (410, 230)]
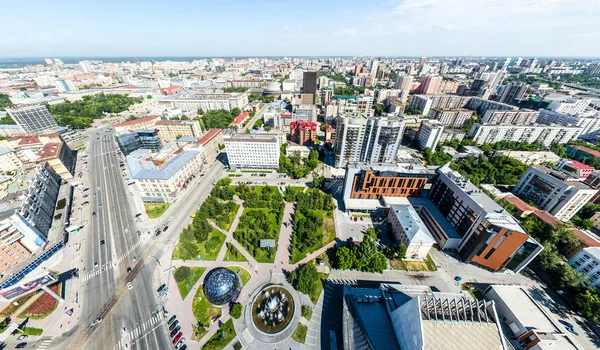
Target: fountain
[(273, 309)]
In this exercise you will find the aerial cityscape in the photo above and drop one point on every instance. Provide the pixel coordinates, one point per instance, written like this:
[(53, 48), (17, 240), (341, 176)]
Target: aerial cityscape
[(364, 194)]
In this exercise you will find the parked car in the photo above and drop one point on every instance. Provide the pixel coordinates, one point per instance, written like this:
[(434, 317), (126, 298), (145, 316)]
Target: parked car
[(129, 285), (160, 289), (172, 319), (572, 331), (566, 324), (20, 345), (180, 344), (174, 331), (22, 337), (177, 337), (173, 325)]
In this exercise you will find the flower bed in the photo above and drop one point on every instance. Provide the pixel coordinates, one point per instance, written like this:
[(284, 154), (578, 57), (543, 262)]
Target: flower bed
[(43, 306), (11, 308)]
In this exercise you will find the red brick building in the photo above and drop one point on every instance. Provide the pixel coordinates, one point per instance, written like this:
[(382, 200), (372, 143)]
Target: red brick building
[(303, 132)]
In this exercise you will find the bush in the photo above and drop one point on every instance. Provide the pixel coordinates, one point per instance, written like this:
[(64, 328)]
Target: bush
[(235, 310), (181, 274)]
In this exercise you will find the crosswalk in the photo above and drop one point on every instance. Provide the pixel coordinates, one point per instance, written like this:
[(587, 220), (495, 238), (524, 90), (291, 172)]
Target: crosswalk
[(142, 330), (43, 343), (111, 264)]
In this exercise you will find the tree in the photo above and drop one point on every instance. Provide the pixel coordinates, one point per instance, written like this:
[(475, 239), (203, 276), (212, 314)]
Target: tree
[(149, 97), (235, 310), (378, 108), (569, 278), (318, 180), (345, 258), (584, 224), (181, 274), (589, 303), (371, 232), (257, 124), (548, 259), (305, 279), (235, 112)]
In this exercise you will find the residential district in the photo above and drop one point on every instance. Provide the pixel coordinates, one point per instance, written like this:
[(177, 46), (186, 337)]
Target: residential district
[(300, 203)]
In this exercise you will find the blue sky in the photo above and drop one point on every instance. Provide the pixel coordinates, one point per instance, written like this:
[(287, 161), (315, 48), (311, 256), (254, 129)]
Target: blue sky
[(263, 28)]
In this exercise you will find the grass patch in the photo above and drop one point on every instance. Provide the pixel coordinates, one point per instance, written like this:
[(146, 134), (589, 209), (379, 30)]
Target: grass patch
[(30, 331), (258, 171), (300, 333), (186, 285), (430, 264), (155, 210), (11, 308), (244, 275), (476, 294), (306, 312), (207, 250), (233, 254), (423, 265), (198, 333), (328, 229), (203, 310), (222, 337), (359, 215)]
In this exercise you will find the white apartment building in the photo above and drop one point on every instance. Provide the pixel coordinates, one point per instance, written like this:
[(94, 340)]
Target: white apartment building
[(571, 106), (590, 126), (430, 133), (163, 183), (205, 102), (409, 229), (550, 190), (531, 158), (524, 133), (587, 261), (522, 116), (9, 160), (252, 151), (450, 116)]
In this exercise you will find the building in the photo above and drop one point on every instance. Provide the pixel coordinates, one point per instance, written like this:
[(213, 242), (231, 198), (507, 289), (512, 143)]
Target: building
[(397, 317), (482, 105), (144, 123), (571, 106), (587, 261), (252, 151), (451, 134), (544, 134), (365, 105), (430, 85), (34, 120), (302, 151), (576, 169), (28, 148), (531, 158), (429, 134), (161, 179), (421, 103), (552, 191), (172, 130), (240, 119), (522, 116), (9, 160), (305, 112), (409, 229), (59, 157), (513, 91), (490, 236), (303, 133), (581, 153), (18, 241), (366, 184), (41, 198), (590, 126), (593, 180), (205, 102), (211, 143), (309, 82), (369, 139), (450, 116), (527, 320), (63, 85)]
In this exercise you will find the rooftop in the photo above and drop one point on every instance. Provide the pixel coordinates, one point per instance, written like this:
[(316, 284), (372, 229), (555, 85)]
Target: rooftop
[(437, 215), (411, 223), (211, 134), (141, 165), (50, 150), (586, 150), (519, 203), (412, 167), (580, 165), (145, 119), (242, 137)]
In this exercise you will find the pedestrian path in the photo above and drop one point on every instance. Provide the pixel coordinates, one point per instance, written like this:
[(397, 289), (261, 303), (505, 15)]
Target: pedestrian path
[(43, 343), (145, 328)]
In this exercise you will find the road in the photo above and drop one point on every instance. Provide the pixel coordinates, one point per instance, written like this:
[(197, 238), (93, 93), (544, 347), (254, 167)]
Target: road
[(255, 118)]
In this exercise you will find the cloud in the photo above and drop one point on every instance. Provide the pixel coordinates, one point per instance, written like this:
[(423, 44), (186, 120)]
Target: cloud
[(286, 27), (347, 31)]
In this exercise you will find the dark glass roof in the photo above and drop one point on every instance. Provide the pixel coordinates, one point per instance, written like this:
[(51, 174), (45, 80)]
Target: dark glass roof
[(221, 286)]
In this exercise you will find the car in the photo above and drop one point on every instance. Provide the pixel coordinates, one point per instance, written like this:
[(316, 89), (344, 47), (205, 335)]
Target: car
[(172, 319), (85, 203), (129, 285), (96, 264), (183, 347), (180, 344), (177, 337), (128, 269), (20, 345), (100, 204), (458, 278), (161, 288), (174, 332), (566, 324), (170, 218), (22, 337), (572, 331), (165, 228), (102, 242), (133, 258), (94, 214), (85, 195), (173, 325), (138, 215), (96, 321)]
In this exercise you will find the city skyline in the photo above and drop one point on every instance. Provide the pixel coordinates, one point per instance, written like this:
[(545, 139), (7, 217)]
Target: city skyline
[(419, 28)]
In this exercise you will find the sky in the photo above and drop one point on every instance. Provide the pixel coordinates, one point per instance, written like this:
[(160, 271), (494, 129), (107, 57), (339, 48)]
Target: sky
[(66, 28)]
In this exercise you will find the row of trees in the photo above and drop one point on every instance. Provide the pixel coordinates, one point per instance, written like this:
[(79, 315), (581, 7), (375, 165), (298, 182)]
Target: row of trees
[(235, 89), (263, 99), (294, 166), (305, 279), (348, 90), (333, 76), (219, 118)]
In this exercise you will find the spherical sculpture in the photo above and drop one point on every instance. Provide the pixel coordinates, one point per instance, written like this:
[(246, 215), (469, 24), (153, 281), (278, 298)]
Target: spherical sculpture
[(221, 286)]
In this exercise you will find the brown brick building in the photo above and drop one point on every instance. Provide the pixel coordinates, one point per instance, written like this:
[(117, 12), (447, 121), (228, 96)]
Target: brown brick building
[(303, 132)]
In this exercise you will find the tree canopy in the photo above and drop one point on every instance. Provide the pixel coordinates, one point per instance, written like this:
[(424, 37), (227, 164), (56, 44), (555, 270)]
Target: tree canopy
[(4, 102), (363, 257), (219, 118)]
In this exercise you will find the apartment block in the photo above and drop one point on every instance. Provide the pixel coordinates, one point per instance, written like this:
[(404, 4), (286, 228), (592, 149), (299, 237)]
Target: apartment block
[(41, 198), (587, 261), (9, 160), (482, 133), (552, 191), (450, 116), (191, 103), (590, 126), (522, 116), (59, 157), (303, 132), (409, 229), (513, 91), (429, 134), (570, 106), (252, 151), (211, 142), (481, 106)]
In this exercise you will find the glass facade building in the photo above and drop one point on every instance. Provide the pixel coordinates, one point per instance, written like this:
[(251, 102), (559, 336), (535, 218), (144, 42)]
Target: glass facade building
[(222, 286)]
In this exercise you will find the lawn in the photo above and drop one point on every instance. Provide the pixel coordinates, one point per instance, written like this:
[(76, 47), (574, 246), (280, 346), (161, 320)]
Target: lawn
[(42, 306), (233, 254), (424, 265), (30, 331), (203, 310), (11, 308), (306, 312), (222, 337), (300, 333), (244, 275), (328, 229), (198, 333), (155, 210), (186, 285), (207, 250)]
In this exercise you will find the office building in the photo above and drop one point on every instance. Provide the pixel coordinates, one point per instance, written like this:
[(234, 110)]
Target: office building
[(306, 113), (41, 198), (303, 133), (363, 139), (571, 106), (409, 229), (18, 241), (309, 81), (162, 178), (450, 116), (397, 317), (147, 122), (209, 144), (527, 320), (205, 102), (172, 130), (366, 184), (59, 157), (552, 191), (513, 91), (252, 151), (429, 134), (522, 116), (489, 236), (34, 120), (524, 133), (587, 261)]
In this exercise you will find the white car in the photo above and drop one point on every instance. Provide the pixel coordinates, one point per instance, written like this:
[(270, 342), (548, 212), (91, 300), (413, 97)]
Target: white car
[(129, 285), (96, 321)]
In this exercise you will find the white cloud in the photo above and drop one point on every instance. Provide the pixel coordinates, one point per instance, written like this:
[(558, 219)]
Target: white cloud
[(286, 27)]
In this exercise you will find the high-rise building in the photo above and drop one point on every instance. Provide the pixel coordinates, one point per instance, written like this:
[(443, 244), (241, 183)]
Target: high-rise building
[(33, 119), (429, 134), (450, 116), (429, 85), (522, 116), (403, 82), (41, 198), (571, 106), (513, 91), (369, 139), (310, 84)]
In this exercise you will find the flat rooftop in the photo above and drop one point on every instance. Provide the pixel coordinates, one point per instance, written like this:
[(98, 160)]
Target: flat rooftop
[(141, 165)]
